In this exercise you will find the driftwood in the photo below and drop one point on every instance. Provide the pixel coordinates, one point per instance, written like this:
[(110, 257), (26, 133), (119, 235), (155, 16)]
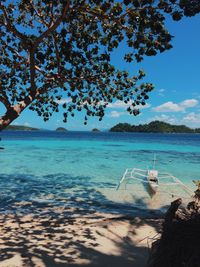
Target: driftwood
[(179, 245)]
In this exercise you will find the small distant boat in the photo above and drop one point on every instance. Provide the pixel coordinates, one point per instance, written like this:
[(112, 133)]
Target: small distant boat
[(151, 178)]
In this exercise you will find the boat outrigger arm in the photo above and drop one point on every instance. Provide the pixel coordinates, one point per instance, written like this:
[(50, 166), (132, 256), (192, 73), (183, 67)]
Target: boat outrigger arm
[(160, 178)]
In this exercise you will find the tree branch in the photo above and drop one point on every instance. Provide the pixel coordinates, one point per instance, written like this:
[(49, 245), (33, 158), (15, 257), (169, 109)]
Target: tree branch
[(13, 112), (57, 53), (42, 21), (4, 99), (53, 26), (32, 69), (12, 50), (9, 25)]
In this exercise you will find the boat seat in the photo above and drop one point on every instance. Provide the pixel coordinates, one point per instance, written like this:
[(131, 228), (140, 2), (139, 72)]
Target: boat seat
[(153, 180)]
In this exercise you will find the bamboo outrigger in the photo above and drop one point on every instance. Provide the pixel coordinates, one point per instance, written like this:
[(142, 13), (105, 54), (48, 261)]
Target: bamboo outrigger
[(152, 178)]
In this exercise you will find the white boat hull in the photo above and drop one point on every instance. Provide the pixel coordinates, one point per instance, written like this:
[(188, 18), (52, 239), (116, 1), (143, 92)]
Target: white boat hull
[(152, 177), (153, 187)]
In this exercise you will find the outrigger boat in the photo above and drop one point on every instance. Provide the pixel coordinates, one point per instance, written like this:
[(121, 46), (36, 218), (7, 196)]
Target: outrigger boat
[(152, 179)]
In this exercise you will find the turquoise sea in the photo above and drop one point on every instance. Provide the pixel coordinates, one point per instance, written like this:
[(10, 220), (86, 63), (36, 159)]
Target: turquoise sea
[(46, 168)]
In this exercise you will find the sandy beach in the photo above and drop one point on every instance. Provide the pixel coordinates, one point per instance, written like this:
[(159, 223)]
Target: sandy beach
[(54, 239)]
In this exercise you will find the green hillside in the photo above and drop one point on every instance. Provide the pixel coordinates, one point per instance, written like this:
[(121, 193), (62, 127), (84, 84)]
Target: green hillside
[(20, 128), (61, 129), (153, 127)]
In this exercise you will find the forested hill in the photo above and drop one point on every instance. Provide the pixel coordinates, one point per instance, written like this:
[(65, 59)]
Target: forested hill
[(20, 128), (153, 127)]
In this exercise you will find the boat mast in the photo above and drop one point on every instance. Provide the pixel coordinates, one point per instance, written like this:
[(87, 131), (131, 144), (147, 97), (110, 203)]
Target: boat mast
[(154, 161)]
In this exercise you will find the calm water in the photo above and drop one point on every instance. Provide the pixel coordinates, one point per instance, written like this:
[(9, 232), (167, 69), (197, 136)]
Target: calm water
[(83, 168)]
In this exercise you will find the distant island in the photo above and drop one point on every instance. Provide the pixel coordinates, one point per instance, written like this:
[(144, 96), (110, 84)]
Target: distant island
[(153, 127), (20, 128), (95, 130), (61, 129)]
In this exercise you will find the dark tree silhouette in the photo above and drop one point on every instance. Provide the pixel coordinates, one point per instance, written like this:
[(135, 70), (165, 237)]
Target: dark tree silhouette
[(54, 49)]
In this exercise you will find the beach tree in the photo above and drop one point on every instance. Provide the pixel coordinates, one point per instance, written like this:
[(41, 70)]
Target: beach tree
[(56, 54)]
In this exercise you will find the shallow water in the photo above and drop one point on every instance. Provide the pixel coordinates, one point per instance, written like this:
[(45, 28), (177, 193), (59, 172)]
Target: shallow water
[(83, 168)]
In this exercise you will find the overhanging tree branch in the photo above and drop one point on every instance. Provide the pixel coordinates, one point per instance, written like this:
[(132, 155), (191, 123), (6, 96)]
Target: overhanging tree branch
[(49, 62), (32, 69), (10, 26), (13, 112), (4, 99), (54, 25)]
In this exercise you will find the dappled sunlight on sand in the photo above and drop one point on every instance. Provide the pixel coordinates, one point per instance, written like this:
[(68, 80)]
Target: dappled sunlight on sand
[(92, 239)]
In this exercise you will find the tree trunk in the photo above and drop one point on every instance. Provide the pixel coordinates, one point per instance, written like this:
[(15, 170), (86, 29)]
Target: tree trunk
[(8, 118), (179, 244), (13, 112)]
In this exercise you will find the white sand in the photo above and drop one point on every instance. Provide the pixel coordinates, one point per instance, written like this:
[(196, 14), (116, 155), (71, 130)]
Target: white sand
[(89, 240)]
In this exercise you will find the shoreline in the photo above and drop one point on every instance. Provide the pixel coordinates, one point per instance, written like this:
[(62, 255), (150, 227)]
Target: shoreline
[(92, 239)]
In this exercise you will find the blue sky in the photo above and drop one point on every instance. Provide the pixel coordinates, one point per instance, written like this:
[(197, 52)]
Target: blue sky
[(175, 74)]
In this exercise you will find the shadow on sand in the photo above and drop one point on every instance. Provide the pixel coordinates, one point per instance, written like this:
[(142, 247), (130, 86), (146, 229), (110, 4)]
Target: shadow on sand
[(74, 235)]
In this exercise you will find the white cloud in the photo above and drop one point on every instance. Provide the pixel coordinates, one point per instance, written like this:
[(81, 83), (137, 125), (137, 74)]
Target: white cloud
[(165, 118), (69, 100), (189, 103), (117, 104), (121, 105), (15, 123), (173, 107), (161, 92), (27, 124), (116, 114), (192, 118), (168, 107), (63, 101)]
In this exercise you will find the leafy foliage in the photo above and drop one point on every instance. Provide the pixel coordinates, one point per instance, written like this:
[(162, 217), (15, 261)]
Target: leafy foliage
[(58, 49), (153, 127)]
